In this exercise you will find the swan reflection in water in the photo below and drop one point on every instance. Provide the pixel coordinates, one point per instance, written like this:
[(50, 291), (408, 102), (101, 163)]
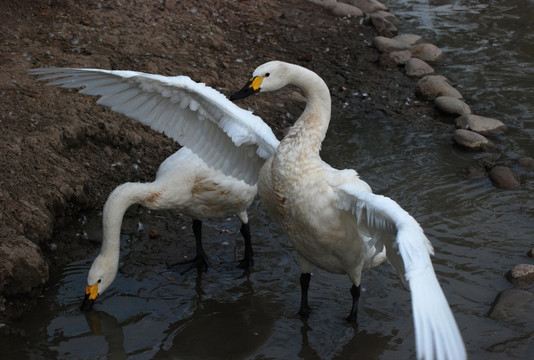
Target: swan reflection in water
[(236, 329)]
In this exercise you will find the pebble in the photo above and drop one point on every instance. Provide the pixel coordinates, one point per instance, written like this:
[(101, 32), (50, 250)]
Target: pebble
[(417, 68), (513, 305), (432, 86), (503, 176), (482, 125), (452, 105), (521, 275), (409, 39), (531, 252), (526, 162), (427, 52), (367, 6), (469, 139), (385, 44), (325, 3), (342, 9), (400, 57), (297, 96), (384, 23)]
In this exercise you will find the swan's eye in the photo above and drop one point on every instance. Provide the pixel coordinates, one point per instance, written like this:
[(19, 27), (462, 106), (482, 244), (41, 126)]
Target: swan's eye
[(267, 74), (99, 281)]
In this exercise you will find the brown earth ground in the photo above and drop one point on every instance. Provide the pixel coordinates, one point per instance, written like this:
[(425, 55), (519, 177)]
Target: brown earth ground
[(58, 147)]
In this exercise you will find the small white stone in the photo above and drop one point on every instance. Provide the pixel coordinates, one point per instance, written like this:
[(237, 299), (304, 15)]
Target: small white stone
[(400, 56), (427, 52), (384, 23), (482, 125), (325, 3), (409, 39), (417, 67), (451, 105), (385, 44), (432, 86), (522, 274), (367, 6), (469, 139), (342, 9)]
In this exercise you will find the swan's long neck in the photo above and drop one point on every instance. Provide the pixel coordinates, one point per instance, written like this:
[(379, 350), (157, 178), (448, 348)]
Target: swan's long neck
[(309, 130), (116, 205)]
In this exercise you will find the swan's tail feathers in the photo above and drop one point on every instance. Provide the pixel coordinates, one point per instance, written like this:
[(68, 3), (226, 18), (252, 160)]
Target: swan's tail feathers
[(408, 250), (436, 333)]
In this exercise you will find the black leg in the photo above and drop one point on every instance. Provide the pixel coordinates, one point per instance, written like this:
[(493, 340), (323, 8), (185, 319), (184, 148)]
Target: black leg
[(304, 286), (248, 259), (200, 262), (355, 292)]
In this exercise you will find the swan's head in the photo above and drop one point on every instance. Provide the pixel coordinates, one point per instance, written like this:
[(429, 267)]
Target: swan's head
[(267, 77), (101, 275)]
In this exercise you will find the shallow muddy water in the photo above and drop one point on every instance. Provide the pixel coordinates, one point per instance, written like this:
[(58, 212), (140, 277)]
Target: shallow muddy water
[(479, 232)]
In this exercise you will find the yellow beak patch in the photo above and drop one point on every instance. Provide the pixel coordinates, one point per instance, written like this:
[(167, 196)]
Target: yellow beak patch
[(255, 82), (92, 291)]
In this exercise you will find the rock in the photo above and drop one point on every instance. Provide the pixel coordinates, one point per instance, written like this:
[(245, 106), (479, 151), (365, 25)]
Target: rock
[(418, 68), (385, 44), (24, 267), (526, 162), (325, 3), (388, 16), (400, 57), (342, 9), (482, 125), (470, 139), (427, 52), (452, 105), (521, 275), (515, 306), (503, 176), (432, 86), (531, 252), (409, 39), (367, 6), (297, 96), (384, 23)]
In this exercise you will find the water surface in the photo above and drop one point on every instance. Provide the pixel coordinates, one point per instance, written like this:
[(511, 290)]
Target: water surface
[(479, 232)]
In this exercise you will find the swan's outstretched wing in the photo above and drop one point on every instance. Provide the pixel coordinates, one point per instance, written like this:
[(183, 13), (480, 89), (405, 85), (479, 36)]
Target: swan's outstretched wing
[(408, 250), (222, 134)]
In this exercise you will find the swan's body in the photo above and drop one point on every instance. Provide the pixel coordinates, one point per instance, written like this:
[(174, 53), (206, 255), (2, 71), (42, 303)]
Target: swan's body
[(331, 216), (183, 182), (335, 222)]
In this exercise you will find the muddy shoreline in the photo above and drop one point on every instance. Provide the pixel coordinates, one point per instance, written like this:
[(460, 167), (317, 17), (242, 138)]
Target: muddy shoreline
[(63, 154)]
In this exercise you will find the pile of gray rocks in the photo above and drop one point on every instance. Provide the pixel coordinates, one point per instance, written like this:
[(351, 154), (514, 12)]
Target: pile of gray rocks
[(417, 58)]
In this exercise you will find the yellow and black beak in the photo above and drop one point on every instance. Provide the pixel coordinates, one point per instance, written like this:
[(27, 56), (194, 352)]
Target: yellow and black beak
[(252, 87), (91, 293)]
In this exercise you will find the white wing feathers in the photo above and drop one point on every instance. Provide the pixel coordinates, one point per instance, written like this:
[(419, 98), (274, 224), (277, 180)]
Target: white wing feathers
[(222, 134), (408, 250)]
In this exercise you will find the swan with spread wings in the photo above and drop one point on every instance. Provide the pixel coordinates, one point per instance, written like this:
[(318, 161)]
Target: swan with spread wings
[(193, 115)]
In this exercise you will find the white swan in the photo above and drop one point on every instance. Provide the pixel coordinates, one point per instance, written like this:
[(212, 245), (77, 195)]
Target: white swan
[(335, 222), (331, 216), (183, 182)]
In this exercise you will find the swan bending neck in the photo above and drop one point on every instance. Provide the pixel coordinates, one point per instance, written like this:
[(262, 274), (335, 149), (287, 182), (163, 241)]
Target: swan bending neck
[(116, 205)]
